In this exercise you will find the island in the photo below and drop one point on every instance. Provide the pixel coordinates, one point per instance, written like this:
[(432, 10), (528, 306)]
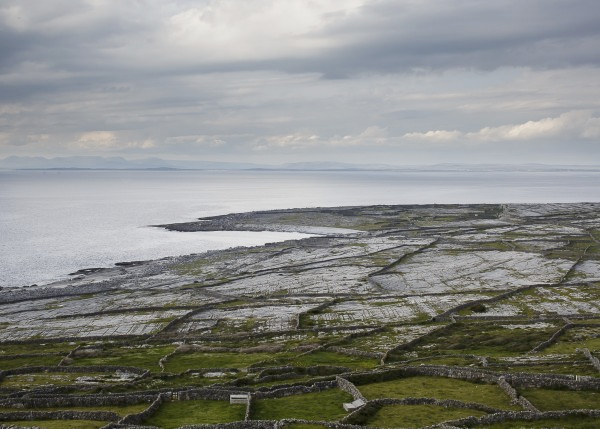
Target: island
[(420, 316)]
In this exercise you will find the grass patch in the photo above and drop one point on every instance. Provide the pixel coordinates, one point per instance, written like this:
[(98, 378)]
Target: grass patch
[(439, 388), (566, 367), (26, 381), (451, 361), (550, 400), (21, 362), (183, 361), (575, 338), (486, 339), (303, 426), (179, 413), (57, 424), (120, 410), (416, 416), (16, 349), (139, 357), (324, 406), (577, 422), (331, 358)]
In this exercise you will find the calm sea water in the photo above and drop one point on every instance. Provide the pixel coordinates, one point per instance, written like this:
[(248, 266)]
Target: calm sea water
[(56, 222)]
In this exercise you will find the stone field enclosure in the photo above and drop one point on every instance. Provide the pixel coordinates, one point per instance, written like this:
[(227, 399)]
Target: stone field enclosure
[(445, 316)]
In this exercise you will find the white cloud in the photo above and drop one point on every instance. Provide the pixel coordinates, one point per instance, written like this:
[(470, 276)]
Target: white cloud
[(108, 140), (434, 136), (197, 140), (373, 135), (576, 124), (228, 30), (97, 140)]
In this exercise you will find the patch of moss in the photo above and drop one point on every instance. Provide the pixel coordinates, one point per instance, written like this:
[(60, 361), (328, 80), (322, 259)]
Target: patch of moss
[(416, 416), (321, 406), (439, 388), (174, 414)]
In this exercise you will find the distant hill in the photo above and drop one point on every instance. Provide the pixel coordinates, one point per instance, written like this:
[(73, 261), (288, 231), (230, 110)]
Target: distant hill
[(119, 163)]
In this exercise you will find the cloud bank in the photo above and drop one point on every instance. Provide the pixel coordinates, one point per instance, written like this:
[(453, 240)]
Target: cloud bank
[(361, 80)]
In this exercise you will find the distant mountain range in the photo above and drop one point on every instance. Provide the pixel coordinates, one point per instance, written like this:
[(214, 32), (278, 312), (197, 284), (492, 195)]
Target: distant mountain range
[(118, 163)]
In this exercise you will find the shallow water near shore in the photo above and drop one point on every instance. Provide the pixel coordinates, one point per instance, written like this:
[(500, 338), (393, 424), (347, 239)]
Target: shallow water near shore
[(56, 222)]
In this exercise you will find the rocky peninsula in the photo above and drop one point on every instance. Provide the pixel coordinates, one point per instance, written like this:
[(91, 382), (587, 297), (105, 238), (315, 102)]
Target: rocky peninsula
[(447, 316)]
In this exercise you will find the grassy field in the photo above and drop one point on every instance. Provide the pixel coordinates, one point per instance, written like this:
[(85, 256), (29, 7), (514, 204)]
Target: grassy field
[(120, 410), (146, 357), (178, 413), (484, 339), (20, 362), (57, 424), (183, 361), (550, 400), (330, 358), (416, 416), (569, 422), (439, 388), (323, 406), (25, 381), (473, 289)]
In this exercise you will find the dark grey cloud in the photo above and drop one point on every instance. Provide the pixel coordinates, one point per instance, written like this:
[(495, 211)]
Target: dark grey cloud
[(258, 78), (383, 37), (390, 37)]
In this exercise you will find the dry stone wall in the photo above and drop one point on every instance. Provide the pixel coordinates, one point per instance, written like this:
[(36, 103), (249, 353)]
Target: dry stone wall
[(363, 414), (59, 415), (528, 416), (140, 417), (593, 359), (350, 388), (514, 395)]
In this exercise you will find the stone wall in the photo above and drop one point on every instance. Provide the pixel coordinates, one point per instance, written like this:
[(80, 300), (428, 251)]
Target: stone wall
[(553, 381), (355, 352), (249, 408), (75, 401), (140, 417), (60, 415), (553, 339), (416, 341), (446, 315), (521, 415), (286, 372), (333, 425), (593, 359), (472, 374), (18, 294), (350, 388), (363, 414), (205, 393), (296, 390), (73, 369), (251, 424), (514, 395)]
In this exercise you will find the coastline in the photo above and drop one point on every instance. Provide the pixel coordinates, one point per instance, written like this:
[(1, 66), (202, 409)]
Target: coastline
[(461, 293), (326, 223)]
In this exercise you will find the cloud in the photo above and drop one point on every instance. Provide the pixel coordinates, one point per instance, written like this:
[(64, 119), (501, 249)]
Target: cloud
[(197, 140), (332, 38), (108, 140), (577, 124), (434, 136), (371, 136), (316, 78), (101, 140)]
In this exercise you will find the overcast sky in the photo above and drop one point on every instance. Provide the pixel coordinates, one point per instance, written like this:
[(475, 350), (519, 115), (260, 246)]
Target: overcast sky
[(276, 81)]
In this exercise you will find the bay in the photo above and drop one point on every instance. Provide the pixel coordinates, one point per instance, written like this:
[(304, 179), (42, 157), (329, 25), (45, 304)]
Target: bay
[(56, 222)]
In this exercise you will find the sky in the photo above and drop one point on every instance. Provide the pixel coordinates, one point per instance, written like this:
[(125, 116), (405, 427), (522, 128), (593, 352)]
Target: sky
[(399, 82)]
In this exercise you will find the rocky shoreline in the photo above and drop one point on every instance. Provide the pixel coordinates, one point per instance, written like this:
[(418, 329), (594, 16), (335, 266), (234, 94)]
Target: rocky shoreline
[(504, 295)]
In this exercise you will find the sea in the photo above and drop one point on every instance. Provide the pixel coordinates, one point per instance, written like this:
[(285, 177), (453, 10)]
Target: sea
[(55, 222)]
